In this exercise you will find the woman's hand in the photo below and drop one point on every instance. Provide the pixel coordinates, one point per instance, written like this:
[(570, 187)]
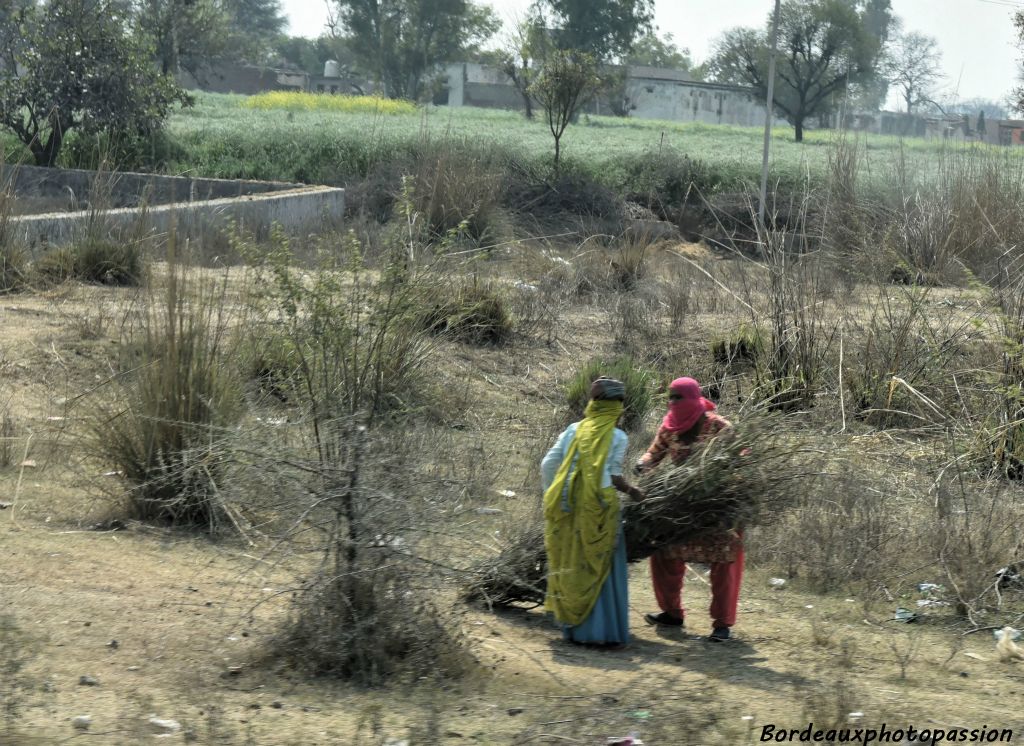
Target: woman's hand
[(622, 485)]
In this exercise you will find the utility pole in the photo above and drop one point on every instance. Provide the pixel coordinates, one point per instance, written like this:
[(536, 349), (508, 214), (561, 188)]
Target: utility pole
[(769, 108)]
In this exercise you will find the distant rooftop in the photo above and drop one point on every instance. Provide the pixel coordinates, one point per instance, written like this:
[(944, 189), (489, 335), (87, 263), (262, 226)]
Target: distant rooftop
[(659, 73)]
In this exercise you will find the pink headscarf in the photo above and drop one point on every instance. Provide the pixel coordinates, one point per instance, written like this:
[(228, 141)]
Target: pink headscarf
[(684, 413)]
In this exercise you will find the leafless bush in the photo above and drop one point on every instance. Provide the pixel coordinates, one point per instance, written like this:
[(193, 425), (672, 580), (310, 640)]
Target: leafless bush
[(846, 536), (902, 367), (976, 532), (904, 647), (794, 363), (1002, 436), (844, 224), (357, 491), (613, 265), (923, 236)]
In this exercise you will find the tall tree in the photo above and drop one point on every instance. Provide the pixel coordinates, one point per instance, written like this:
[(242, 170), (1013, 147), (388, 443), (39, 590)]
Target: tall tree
[(184, 34), (523, 53), (823, 50), (78, 68), (881, 25), (310, 55), (651, 50), (913, 64), (188, 34), (604, 29), (253, 26), (400, 41)]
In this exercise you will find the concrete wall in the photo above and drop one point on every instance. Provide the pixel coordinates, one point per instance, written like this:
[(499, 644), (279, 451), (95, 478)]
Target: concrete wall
[(473, 84), (232, 77), (124, 189), (303, 210), (653, 93), (689, 101)]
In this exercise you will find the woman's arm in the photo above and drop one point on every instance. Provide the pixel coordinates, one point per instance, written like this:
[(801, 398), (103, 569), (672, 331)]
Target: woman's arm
[(554, 457), (620, 483), (654, 454), (616, 457)]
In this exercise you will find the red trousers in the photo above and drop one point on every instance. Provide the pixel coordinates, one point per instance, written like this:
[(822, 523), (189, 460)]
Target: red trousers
[(668, 575)]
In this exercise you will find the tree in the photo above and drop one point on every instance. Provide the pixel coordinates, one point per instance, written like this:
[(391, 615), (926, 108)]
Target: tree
[(823, 50), (913, 65), (880, 24), (310, 55), (184, 34), (523, 54), (253, 26), (604, 29), (78, 68), (561, 88), (188, 34), (651, 51), (991, 109), (400, 41)]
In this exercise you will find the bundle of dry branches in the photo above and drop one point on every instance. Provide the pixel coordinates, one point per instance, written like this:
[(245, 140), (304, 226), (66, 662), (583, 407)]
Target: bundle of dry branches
[(751, 475)]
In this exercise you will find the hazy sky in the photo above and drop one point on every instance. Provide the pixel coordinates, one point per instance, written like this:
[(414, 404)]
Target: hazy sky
[(976, 36)]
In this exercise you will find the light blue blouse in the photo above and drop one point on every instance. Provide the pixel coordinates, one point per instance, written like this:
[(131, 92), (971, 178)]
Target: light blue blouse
[(555, 456)]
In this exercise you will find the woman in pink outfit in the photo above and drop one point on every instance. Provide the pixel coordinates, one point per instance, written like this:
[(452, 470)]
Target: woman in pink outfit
[(691, 419)]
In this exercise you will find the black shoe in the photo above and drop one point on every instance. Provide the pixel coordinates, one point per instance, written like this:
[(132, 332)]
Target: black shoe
[(719, 634), (664, 619)]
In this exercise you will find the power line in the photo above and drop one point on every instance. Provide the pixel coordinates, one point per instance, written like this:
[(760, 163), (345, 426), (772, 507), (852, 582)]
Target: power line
[(1004, 3)]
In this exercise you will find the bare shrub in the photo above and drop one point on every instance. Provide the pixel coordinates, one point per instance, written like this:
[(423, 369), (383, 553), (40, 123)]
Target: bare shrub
[(904, 647), (173, 405), (793, 366), (844, 224), (1002, 436), (976, 532), (355, 491), (537, 310), (549, 202), (13, 256), (848, 532), (902, 368), (923, 236)]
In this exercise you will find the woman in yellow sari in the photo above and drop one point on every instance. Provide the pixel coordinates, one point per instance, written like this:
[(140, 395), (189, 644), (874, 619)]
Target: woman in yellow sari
[(587, 579)]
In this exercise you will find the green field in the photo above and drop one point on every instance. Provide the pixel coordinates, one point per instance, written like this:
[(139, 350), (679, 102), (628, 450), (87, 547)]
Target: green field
[(220, 137)]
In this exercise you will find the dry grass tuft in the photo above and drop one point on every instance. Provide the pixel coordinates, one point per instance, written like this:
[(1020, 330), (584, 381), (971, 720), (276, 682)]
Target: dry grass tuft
[(174, 407)]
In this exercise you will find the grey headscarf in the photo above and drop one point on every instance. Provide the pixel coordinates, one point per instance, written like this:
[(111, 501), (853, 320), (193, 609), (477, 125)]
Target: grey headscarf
[(607, 388)]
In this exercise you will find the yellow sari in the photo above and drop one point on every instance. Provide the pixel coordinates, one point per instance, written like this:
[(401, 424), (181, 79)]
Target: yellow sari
[(581, 525)]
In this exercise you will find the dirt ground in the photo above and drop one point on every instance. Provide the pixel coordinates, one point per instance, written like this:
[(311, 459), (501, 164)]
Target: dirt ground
[(171, 625)]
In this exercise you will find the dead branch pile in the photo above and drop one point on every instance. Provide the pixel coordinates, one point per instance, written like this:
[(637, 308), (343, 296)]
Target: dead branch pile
[(749, 476)]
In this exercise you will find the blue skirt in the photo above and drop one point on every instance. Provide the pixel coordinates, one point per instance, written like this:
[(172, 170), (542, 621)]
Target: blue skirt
[(609, 621)]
